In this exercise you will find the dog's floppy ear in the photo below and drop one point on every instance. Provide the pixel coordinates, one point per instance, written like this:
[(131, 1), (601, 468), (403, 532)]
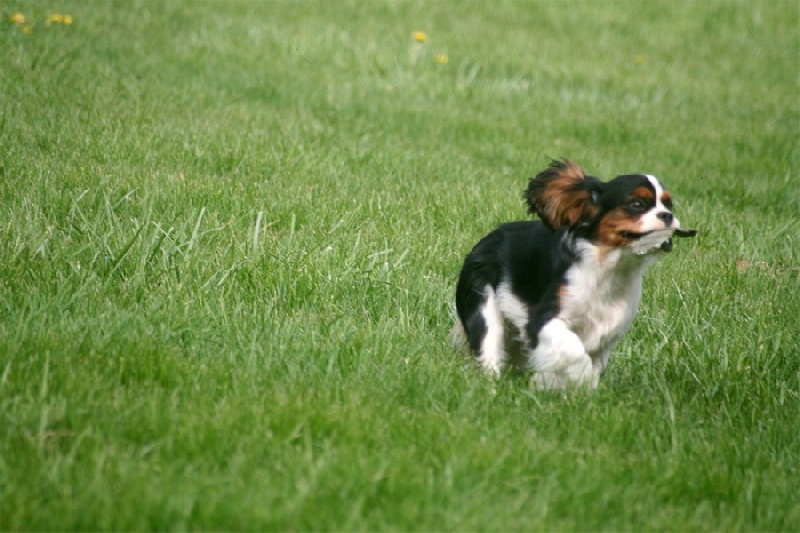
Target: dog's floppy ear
[(563, 195)]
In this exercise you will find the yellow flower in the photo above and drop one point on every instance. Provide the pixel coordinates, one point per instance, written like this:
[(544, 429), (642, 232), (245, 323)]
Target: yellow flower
[(420, 36), (57, 18), (442, 59), (640, 59), (24, 28), (17, 18)]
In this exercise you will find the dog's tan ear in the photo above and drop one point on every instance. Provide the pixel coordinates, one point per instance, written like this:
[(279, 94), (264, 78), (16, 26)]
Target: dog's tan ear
[(563, 195)]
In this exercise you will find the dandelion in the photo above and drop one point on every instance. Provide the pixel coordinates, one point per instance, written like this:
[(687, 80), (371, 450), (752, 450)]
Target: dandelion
[(442, 59), (57, 18), (24, 28), (640, 59), (17, 18), (416, 48)]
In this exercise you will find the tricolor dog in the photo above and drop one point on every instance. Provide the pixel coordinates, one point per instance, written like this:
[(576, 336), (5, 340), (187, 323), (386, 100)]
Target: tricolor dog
[(555, 295)]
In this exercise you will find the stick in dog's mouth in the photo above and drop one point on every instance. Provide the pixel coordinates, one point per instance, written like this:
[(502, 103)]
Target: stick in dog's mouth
[(660, 239), (684, 233), (676, 233)]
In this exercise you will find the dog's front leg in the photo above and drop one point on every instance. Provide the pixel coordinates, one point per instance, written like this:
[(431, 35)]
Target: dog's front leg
[(560, 359)]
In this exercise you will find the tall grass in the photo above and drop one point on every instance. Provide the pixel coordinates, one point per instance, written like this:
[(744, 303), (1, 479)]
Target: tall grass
[(229, 234)]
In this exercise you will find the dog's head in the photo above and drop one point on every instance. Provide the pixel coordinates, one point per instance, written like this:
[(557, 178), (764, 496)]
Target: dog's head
[(632, 210)]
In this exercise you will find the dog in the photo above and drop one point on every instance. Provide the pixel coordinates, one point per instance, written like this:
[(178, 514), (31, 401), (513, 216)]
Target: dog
[(556, 295)]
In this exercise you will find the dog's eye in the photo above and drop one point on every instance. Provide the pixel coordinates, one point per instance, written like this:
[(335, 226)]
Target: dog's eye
[(637, 204), (668, 204)]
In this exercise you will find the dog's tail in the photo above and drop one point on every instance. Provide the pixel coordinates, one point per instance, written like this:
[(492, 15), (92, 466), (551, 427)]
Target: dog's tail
[(458, 337)]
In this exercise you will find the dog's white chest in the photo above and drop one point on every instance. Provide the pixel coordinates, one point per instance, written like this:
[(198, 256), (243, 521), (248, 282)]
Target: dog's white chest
[(601, 299)]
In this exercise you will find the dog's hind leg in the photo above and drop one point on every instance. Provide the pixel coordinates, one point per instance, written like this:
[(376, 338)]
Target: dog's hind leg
[(486, 335)]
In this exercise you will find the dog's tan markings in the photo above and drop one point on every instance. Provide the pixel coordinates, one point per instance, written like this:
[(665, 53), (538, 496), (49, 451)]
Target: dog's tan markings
[(645, 193), (561, 195), (563, 292), (610, 231), (666, 197)]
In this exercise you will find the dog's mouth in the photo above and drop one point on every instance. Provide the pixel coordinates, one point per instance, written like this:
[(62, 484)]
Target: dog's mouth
[(661, 239)]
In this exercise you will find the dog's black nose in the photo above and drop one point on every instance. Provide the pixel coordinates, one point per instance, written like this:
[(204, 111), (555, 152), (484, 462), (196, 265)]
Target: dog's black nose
[(666, 216)]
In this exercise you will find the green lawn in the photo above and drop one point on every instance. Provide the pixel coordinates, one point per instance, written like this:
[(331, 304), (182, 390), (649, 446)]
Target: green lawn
[(230, 233)]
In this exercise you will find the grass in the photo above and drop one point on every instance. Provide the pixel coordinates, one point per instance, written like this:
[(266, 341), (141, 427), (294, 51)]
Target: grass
[(229, 234)]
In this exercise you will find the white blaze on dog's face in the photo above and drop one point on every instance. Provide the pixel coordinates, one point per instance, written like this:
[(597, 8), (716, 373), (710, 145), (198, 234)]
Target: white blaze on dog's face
[(660, 215)]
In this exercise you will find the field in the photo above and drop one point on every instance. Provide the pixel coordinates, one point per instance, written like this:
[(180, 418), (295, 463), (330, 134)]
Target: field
[(230, 233)]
